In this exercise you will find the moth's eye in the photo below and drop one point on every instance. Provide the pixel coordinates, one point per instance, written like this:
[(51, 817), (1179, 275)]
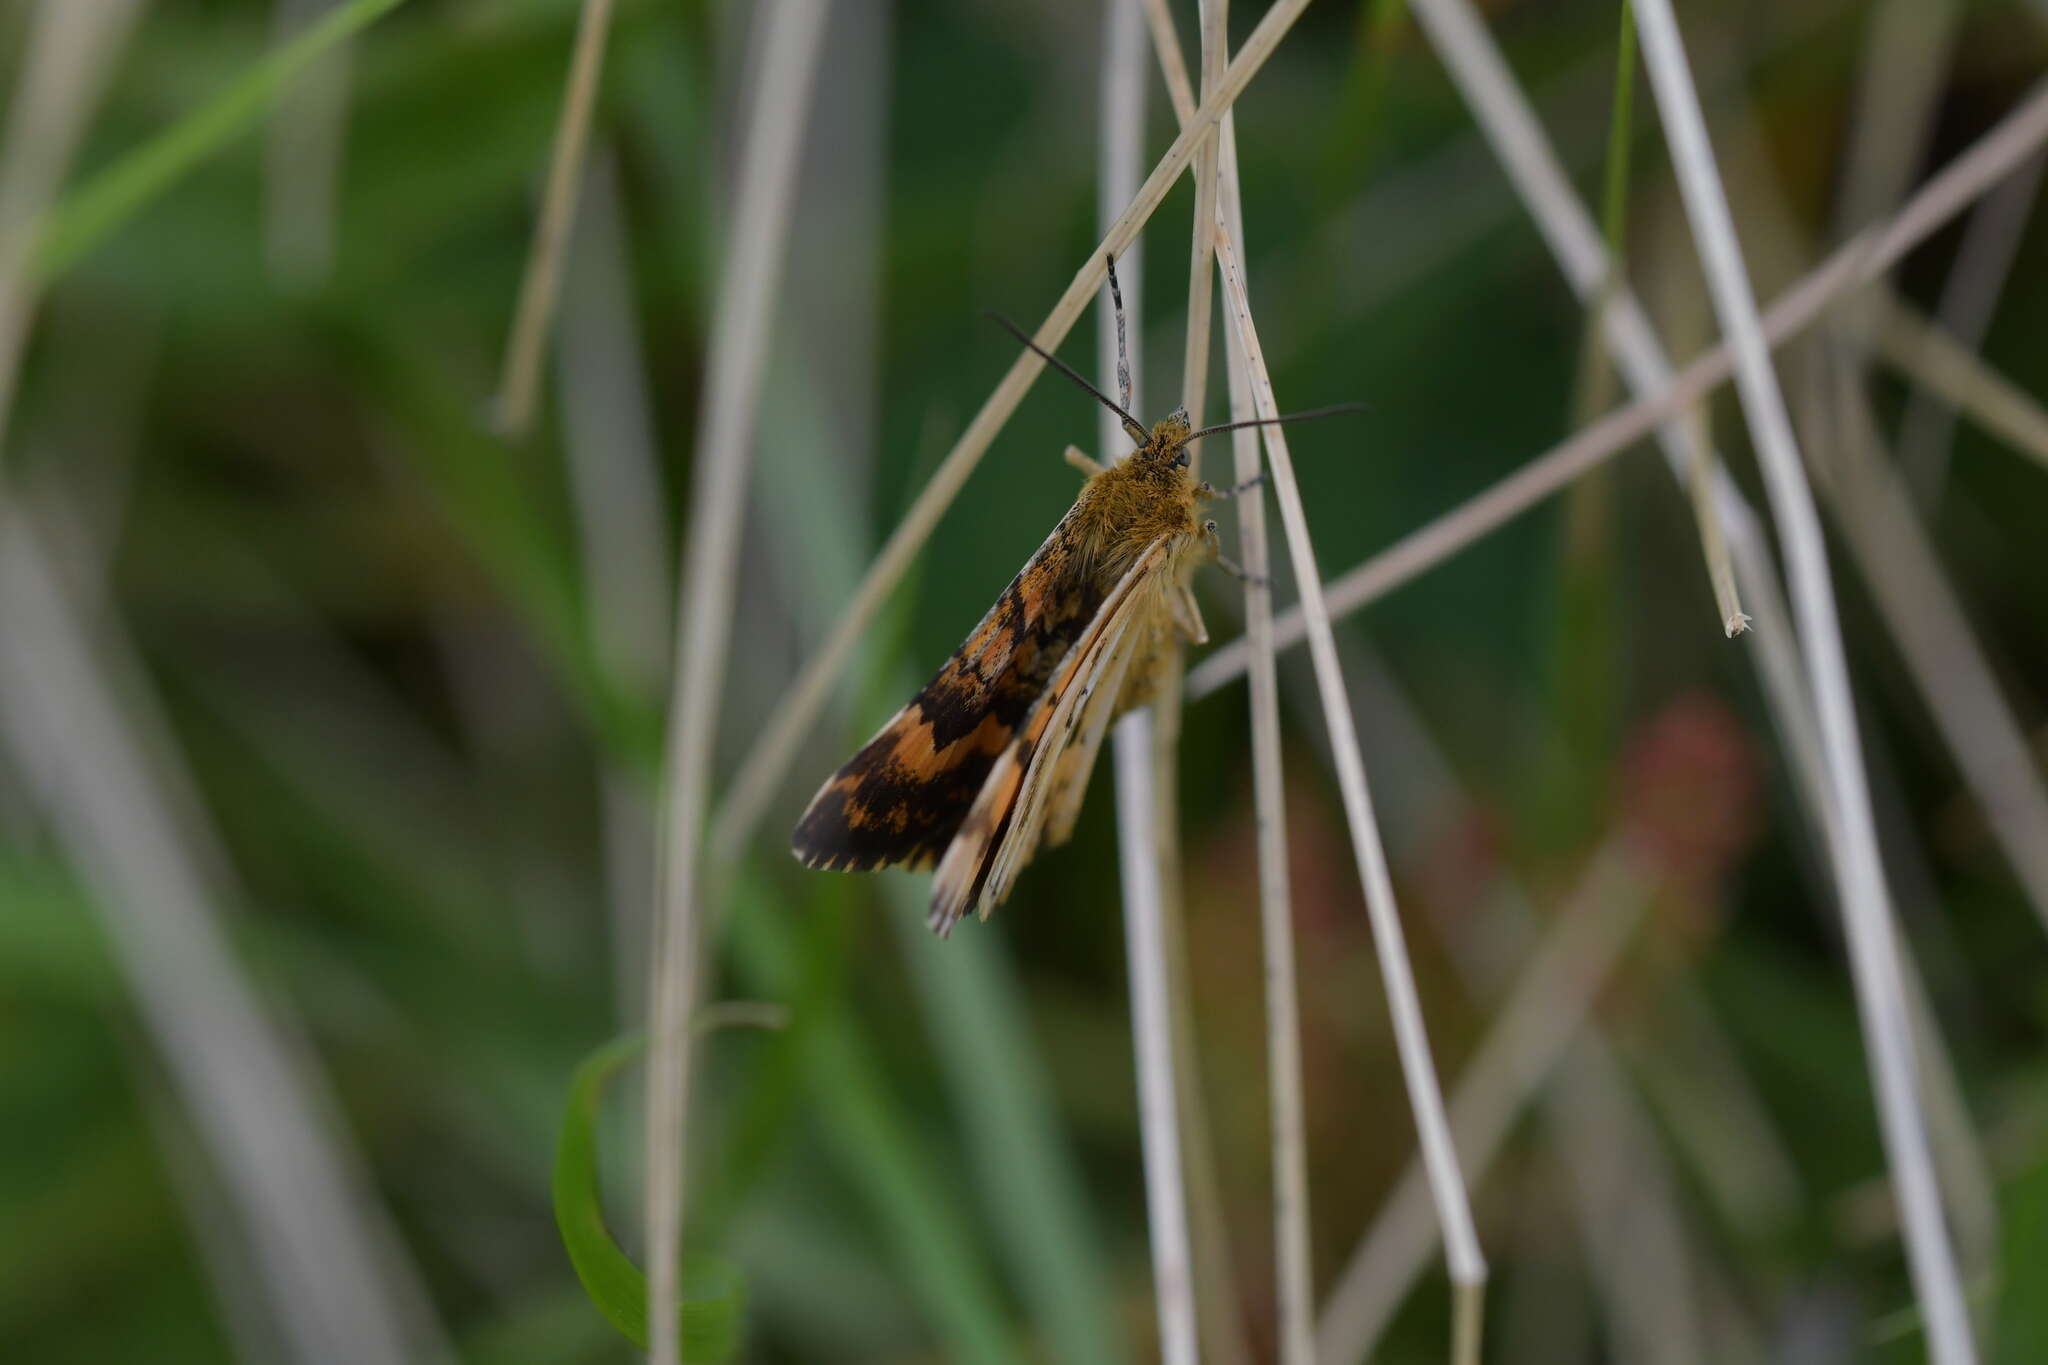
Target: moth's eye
[(1180, 461)]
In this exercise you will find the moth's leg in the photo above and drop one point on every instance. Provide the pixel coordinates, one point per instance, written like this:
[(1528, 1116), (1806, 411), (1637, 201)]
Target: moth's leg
[(1226, 563), (1083, 461), (1187, 615), (1206, 491)]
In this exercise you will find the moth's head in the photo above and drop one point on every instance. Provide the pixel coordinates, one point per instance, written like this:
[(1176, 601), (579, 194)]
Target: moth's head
[(1170, 435)]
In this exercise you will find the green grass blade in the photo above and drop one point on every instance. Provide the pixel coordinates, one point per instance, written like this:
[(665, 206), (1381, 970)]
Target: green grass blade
[(2023, 1261), (89, 215), (865, 1128), (1024, 1169), (713, 1295)]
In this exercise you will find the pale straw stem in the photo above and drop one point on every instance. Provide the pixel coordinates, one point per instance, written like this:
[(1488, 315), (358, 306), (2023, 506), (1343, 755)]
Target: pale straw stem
[(797, 710), (1216, 1300), (1173, 67), (1194, 382), (1152, 1040), (98, 759), (622, 537), (519, 390), (66, 52), (1704, 479), (1488, 949), (1969, 298), (302, 163), (777, 109), (1509, 122), (1862, 259), (1941, 652), (1545, 1011), (1905, 62), (79, 718), (1628, 1212), (1853, 847), (1466, 1263), (1139, 811), (1292, 1265), (1926, 353)]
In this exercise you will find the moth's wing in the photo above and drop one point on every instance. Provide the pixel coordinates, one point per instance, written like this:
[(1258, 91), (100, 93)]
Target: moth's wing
[(1104, 704), (1001, 830), (902, 798), (1041, 775)]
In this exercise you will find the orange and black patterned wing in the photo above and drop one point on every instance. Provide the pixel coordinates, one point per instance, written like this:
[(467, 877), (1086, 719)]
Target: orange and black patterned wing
[(1002, 831), (901, 799)]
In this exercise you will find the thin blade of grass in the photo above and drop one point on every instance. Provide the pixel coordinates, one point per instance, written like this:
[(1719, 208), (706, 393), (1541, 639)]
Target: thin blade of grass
[(338, 1286), (622, 540), (1461, 1242), (868, 1131), (1152, 1041), (1853, 835), (1969, 297), (1203, 1292), (1926, 353), (713, 1299), (1529, 1035), (519, 390), (66, 56), (302, 164), (1292, 1262), (1857, 263), (92, 213), (778, 108)]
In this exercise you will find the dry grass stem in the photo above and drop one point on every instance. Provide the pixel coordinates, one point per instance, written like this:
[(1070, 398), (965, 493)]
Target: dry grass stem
[(1511, 127), (1941, 652), (1489, 949), (1856, 263), (1908, 45), (1519, 141), (1173, 67), (778, 107), (65, 55), (1194, 381), (99, 760), (1294, 1278), (1976, 281), (1140, 813), (1528, 1035), (1173, 1285), (1924, 352), (519, 390), (1628, 1211), (302, 165), (1853, 847), (622, 538), (1704, 479), (95, 752), (1691, 1072), (762, 771), (1466, 1263)]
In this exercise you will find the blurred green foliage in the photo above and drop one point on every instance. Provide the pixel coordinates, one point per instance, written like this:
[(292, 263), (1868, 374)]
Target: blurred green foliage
[(374, 629)]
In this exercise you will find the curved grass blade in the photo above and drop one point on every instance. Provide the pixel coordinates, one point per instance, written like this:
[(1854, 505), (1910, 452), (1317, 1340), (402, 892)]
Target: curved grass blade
[(89, 215), (713, 1294)]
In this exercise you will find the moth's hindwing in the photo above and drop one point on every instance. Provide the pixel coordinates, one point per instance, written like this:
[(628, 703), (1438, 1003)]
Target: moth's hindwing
[(901, 799), (1001, 832)]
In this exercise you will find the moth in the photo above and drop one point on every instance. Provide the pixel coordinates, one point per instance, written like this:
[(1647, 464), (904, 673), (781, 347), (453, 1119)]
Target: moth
[(990, 761)]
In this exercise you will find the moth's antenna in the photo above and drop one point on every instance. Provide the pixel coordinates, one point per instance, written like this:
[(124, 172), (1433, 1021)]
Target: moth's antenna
[(1334, 410), (1123, 357), (1131, 424)]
